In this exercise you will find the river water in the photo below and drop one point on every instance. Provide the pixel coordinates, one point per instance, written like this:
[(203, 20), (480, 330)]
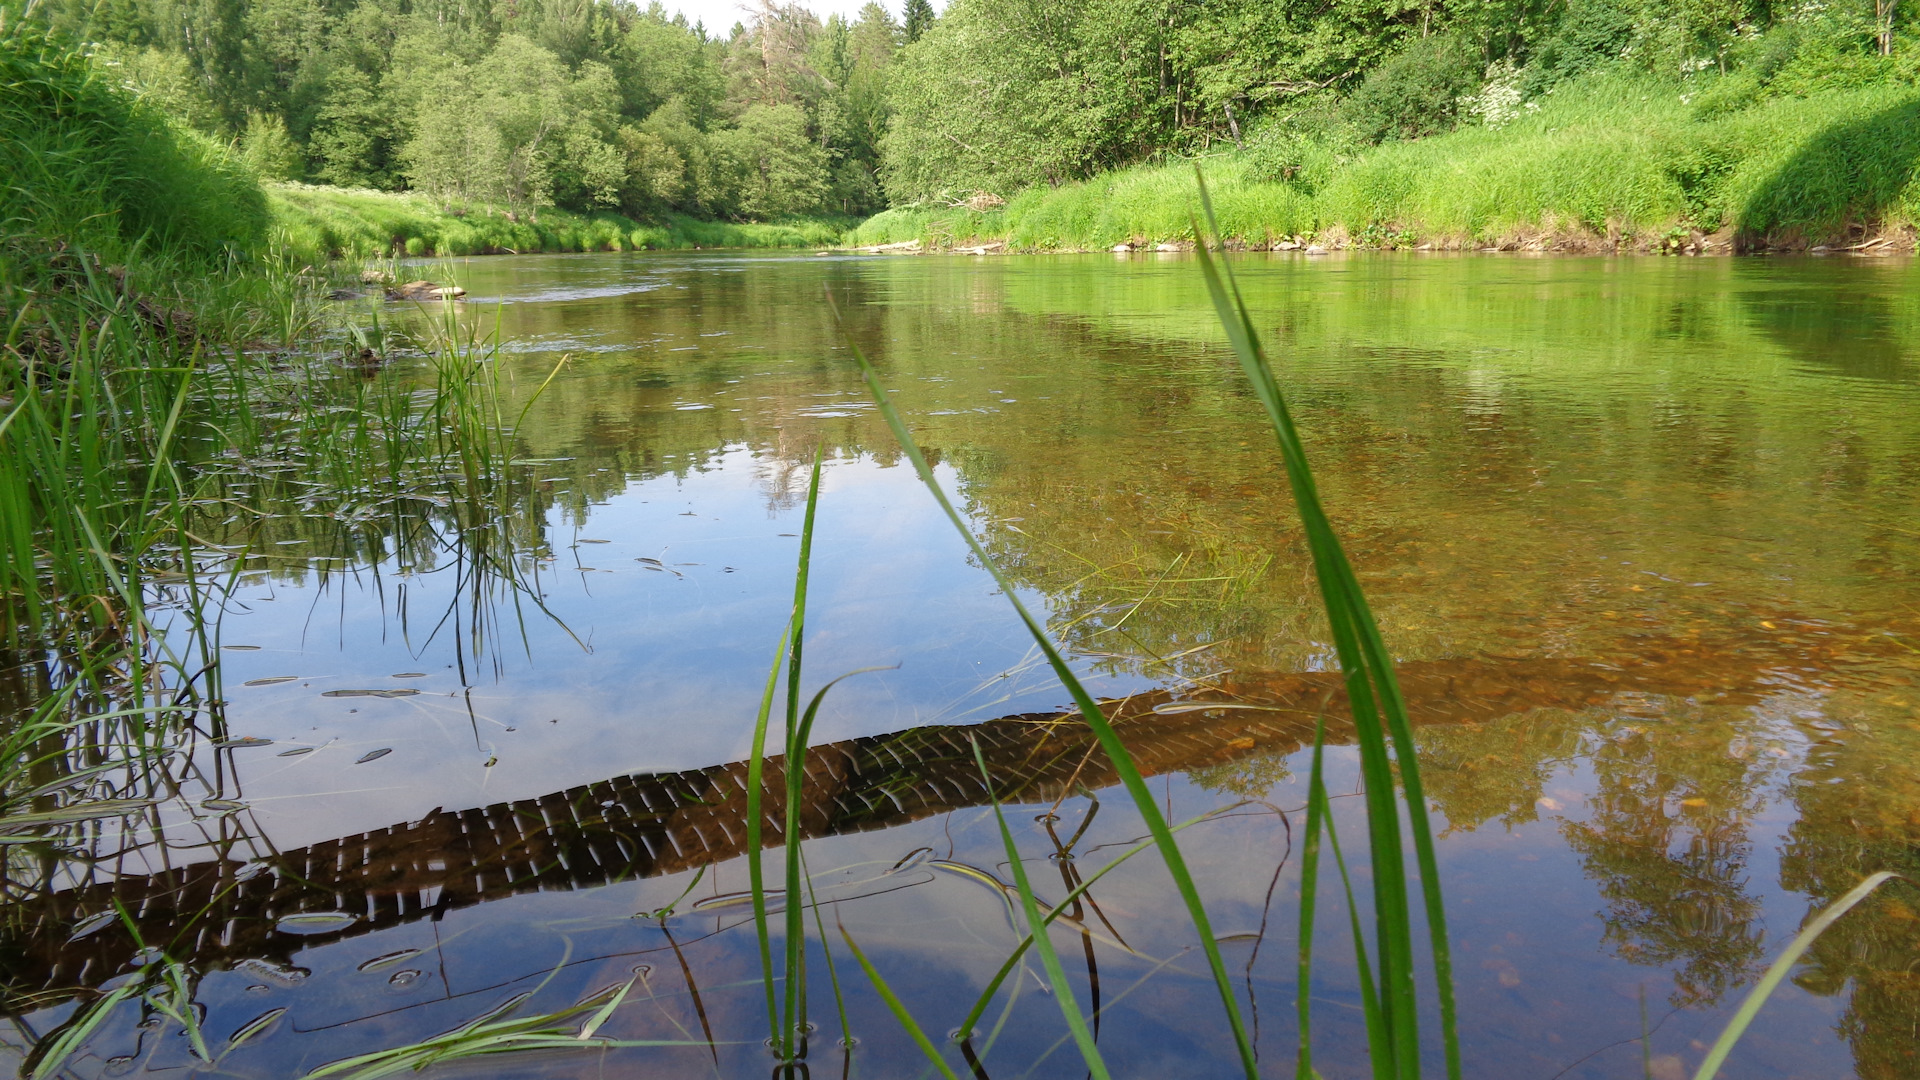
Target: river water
[(1642, 534)]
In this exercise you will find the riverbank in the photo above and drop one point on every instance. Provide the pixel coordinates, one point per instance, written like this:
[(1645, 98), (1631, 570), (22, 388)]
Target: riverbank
[(1612, 163), (314, 222)]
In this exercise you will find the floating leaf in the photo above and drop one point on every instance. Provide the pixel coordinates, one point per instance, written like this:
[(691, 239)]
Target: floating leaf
[(370, 693), (387, 960), (296, 751), (241, 648), (91, 923), (316, 922), (269, 682), (372, 754), (223, 806), (249, 740), (255, 1026), (410, 675)]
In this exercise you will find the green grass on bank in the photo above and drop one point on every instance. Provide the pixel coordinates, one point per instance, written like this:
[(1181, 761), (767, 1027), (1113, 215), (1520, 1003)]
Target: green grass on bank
[(90, 168), (326, 222), (1611, 156)]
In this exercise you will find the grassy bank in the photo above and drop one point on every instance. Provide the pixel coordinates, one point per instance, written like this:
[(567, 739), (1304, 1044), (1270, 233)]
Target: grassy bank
[(326, 222), (1611, 162)]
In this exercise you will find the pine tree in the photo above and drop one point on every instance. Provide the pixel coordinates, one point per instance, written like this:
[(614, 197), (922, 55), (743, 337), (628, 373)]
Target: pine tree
[(919, 18)]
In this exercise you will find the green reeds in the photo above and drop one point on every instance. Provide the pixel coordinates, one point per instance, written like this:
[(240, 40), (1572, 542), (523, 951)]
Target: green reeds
[(1383, 731), (786, 1008), (1380, 714)]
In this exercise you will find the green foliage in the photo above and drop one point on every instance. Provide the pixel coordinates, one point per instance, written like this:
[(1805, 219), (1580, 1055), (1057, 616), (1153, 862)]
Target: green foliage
[(516, 128), (1614, 153), (918, 15), (313, 223), (529, 105), (778, 169), (1416, 91), (268, 150), (91, 166)]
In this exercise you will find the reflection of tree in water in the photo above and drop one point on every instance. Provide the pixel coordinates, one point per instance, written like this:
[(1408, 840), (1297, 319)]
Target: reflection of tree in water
[(1666, 841), (1848, 829), (1250, 777)]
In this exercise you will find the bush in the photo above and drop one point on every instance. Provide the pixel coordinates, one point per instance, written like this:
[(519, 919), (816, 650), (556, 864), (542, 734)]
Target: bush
[(1589, 34), (1416, 91)]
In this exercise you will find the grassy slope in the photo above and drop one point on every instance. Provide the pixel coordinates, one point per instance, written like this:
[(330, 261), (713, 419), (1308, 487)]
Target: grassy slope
[(319, 222), (1609, 161)]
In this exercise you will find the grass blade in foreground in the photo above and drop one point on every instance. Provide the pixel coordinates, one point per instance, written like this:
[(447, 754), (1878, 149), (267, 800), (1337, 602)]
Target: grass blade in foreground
[(756, 777), (1096, 720), (898, 1009), (1037, 933), (1777, 973), (1373, 694)]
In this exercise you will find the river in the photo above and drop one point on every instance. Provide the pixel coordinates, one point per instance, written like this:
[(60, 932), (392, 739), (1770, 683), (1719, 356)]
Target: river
[(1641, 533)]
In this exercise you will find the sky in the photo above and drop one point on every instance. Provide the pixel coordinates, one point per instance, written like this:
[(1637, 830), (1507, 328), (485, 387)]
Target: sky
[(720, 15)]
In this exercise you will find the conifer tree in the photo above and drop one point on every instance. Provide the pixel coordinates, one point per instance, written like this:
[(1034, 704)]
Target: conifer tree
[(919, 17)]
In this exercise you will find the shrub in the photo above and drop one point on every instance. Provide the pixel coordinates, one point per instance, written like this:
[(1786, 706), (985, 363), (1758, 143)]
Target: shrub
[(1416, 91)]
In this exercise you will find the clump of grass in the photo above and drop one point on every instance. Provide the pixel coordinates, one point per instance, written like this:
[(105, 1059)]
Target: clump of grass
[(88, 166), (1090, 712), (787, 1009), (1388, 760)]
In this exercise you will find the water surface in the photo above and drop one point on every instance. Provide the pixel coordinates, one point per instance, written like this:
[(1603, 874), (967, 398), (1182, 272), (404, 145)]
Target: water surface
[(1641, 532)]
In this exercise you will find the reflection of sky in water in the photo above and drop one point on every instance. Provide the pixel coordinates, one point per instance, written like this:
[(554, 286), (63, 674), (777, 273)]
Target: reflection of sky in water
[(668, 667)]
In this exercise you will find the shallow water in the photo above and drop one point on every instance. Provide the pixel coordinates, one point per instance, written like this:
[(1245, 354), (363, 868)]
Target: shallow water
[(1642, 533)]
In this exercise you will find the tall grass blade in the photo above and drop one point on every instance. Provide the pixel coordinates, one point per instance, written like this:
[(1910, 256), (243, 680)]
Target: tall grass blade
[(1037, 929), (1777, 973), (756, 765), (1309, 893), (1374, 696), (1103, 731), (795, 766), (898, 1009), (1379, 1048)]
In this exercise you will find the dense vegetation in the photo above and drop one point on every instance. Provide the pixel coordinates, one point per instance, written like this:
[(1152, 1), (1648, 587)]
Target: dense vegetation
[(580, 104), (1450, 122), (1600, 121)]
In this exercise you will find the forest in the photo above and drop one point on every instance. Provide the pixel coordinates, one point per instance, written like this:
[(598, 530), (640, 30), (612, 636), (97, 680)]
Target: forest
[(600, 105)]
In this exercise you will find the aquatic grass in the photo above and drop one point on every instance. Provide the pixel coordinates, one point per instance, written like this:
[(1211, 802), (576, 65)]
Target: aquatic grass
[(1026, 940), (1096, 720), (898, 1008), (1379, 711), (498, 1032), (1309, 901), (786, 1010)]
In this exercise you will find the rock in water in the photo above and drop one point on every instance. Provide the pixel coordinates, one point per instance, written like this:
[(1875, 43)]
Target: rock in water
[(424, 290)]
